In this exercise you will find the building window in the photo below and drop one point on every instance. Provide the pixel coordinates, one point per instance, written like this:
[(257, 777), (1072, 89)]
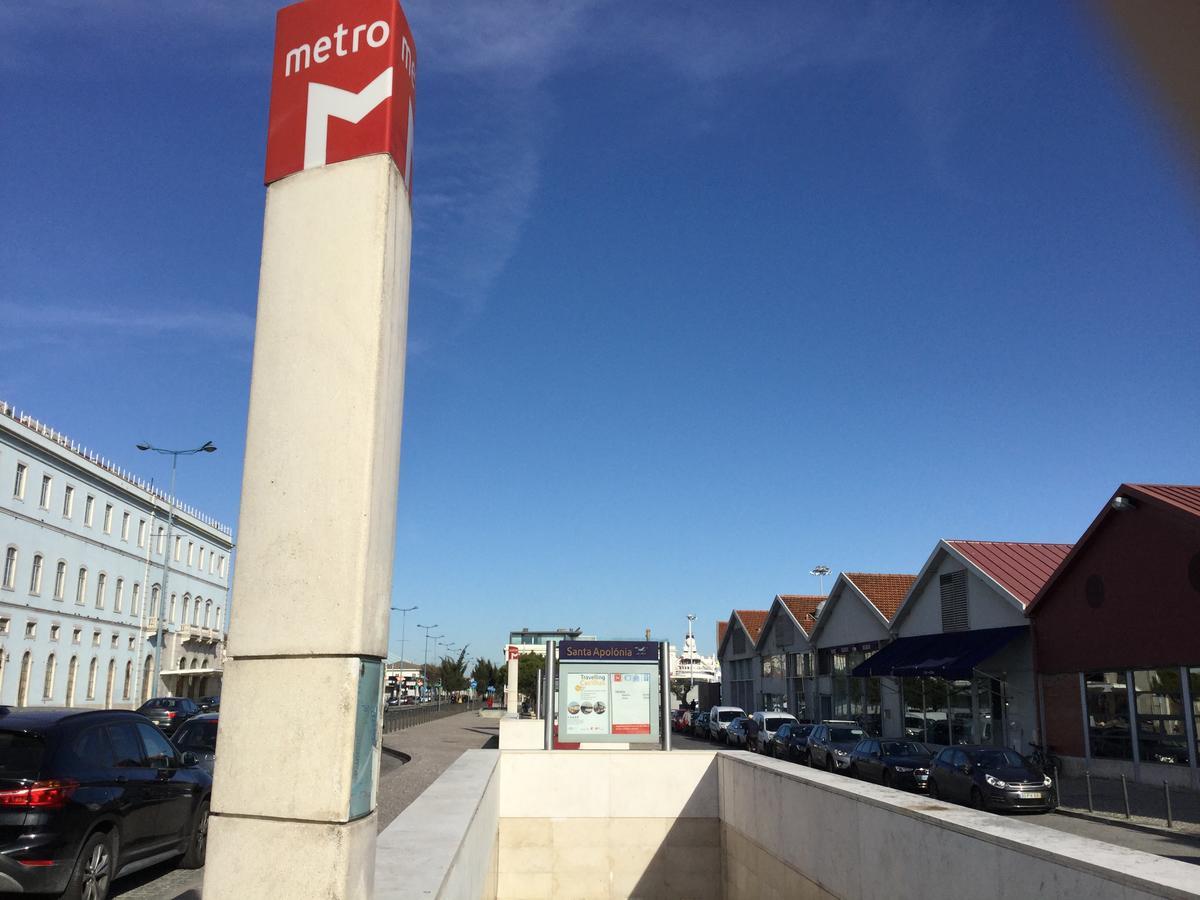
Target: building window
[(23, 684), (10, 569), (35, 577), (68, 501), (113, 642), (141, 532), (1108, 715), (160, 540), (31, 629), (128, 676), (119, 596), (55, 630), (212, 563), (155, 594), (72, 672), (60, 580), (1161, 734), (19, 483), (953, 586), (125, 517), (207, 613), (48, 689), (222, 566), (201, 561), (89, 510), (772, 665), (108, 511), (95, 638), (217, 623), (76, 635), (135, 600), (191, 553), (91, 689), (196, 614), (5, 624), (44, 500), (178, 551), (171, 610), (131, 642), (81, 587), (101, 584)]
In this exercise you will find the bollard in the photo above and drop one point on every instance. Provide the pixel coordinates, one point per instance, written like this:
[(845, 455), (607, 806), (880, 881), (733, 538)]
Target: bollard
[(1125, 791), (1087, 779), (1167, 794)]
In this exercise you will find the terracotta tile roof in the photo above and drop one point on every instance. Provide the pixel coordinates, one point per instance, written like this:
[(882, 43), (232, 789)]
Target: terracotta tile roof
[(1019, 568), (753, 621), (1182, 496), (804, 608), (722, 627), (886, 591)]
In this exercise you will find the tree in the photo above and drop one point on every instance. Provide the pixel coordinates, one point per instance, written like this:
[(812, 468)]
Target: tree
[(452, 672), (529, 671), (488, 673)]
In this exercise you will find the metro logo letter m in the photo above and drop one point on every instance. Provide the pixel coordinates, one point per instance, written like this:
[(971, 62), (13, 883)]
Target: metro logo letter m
[(325, 102)]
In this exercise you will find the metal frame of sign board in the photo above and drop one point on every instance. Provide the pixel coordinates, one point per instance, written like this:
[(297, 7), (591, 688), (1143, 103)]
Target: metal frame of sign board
[(566, 669)]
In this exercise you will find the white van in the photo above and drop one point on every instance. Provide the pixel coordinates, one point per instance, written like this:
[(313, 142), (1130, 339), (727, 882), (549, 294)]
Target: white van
[(719, 718), (768, 723)]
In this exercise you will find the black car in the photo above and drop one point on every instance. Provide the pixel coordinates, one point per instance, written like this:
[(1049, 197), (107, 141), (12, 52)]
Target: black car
[(991, 778), (790, 741), (900, 764), (700, 725), (89, 796), (209, 704), (830, 743), (168, 713), (198, 736)]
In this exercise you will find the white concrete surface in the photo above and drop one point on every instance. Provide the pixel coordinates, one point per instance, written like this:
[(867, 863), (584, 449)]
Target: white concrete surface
[(444, 845), (522, 734), (317, 530)]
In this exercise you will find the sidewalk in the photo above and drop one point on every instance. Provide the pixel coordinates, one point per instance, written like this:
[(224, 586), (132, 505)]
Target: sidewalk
[(433, 747), (1147, 803)]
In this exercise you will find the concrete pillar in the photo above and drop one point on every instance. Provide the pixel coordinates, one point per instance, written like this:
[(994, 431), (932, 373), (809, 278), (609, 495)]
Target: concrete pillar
[(511, 706)]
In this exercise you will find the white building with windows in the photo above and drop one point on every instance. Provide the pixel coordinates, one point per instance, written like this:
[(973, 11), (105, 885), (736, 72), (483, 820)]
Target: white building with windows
[(84, 545)]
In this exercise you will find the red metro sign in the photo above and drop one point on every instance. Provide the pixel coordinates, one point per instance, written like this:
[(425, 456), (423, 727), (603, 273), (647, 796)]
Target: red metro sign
[(342, 86)]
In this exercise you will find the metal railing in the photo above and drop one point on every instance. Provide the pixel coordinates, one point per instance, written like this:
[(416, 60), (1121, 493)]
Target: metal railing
[(397, 718)]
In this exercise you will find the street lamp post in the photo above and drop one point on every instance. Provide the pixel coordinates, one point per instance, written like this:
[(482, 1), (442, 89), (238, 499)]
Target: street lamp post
[(692, 663), (404, 611), (207, 447), (425, 664), (820, 572)]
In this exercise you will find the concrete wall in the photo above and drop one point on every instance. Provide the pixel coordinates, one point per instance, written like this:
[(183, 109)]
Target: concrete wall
[(849, 619), (796, 832), (609, 824), (986, 607)]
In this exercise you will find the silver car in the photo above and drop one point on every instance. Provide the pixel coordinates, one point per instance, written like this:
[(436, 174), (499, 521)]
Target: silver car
[(198, 736)]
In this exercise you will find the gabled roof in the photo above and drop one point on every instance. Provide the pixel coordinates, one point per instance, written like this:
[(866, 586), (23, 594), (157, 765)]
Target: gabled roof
[(881, 592), (1179, 498), (1014, 569), (750, 621), (803, 608), (722, 626)]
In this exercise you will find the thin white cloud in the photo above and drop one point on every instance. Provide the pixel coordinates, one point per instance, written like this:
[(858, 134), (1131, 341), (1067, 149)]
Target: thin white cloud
[(39, 323)]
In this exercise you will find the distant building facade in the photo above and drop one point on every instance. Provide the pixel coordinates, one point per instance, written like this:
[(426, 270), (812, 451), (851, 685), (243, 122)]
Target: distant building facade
[(533, 640), (83, 546)]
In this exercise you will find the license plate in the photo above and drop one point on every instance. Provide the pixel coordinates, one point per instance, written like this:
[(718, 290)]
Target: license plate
[(922, 778), (1029, 795)]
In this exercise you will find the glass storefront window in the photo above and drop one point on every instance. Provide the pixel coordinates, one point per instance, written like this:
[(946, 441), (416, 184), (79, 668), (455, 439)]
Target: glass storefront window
[(926, 710), (772, 666), (1108, 715), (1162, 737), (1194, 685)]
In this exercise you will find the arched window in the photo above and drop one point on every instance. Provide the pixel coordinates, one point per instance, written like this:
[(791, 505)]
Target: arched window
[(81, 586), (10, 569), (196, 613), (208, 613), (101, 586), (219, 623), (119, 596), (128, 681), (155, 595), (160, 538), (108, 685), (183, 662), (60, 580), (48, 690), (195, 662), (147, 674), (205, 664), (72, 674), (91, 685), (135, 600), (171, 610), (23, 684), (35, 577)]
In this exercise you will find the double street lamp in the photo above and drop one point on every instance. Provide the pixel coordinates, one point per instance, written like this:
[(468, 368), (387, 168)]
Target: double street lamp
[(206, 447), (404, 611)]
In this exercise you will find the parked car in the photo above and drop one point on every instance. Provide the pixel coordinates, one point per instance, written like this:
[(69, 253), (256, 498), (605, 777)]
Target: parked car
[(991, 778), (719, 718), (900, 764), (198, 735), (700, 725), (89, 796), (830, 743), (768, 723), (168, 713), (735, 732), (209, 704), (790, 741)]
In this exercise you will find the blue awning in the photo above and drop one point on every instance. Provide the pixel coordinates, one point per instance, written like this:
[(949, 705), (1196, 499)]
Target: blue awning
[(953, 655)]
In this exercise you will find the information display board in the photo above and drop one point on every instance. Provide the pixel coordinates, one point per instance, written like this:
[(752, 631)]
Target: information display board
[(615, 702)]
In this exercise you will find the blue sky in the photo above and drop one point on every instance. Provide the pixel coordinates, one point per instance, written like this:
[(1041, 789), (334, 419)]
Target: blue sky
[(700, 298)]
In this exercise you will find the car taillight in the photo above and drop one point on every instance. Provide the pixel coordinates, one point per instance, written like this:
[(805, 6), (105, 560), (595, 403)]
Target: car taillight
[(40, 794), (170, 715)]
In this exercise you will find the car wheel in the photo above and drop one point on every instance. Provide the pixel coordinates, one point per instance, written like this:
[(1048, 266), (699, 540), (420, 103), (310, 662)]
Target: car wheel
[(933, 790), (887, 778), (977, 801), (828, 763), (93, 871), (198, 845), (854, 773)]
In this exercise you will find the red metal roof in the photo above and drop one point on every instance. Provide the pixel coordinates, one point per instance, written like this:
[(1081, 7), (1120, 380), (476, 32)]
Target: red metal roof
[(721, 628), (804, 608), (1183, 496), (1019, 568), (753, 621), (886, 592)]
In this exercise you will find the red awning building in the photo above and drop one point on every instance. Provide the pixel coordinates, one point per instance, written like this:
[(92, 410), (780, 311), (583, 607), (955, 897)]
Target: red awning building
[(1116, 633)]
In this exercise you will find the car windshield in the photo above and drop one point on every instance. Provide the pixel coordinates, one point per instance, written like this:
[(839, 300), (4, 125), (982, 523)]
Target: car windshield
[(998, 759), (162, 703), (198, 736), (773, 724), (20, 755), (802, 730), (840, 735), (728, 715), (903, 748)]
